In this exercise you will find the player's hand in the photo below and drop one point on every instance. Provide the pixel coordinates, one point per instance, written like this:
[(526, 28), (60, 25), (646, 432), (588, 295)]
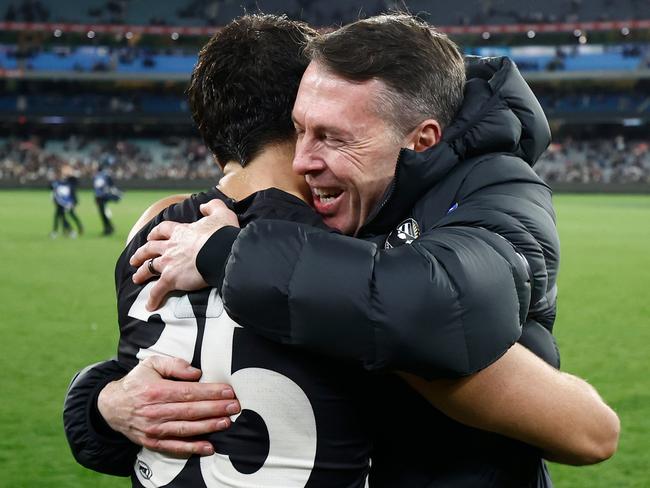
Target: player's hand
[(173, 248), (162, 414)]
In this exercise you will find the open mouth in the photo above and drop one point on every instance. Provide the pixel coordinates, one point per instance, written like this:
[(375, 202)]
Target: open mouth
[(325, 198)]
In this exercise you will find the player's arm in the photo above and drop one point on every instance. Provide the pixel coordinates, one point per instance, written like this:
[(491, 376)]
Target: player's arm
[(521, 397), (110, 412), (154, 210)]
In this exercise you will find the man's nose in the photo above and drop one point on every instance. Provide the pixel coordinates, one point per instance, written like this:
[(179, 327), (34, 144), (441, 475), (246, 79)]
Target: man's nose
[(307, 159)]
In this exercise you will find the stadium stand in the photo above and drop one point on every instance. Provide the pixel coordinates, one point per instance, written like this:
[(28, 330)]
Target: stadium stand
[(218, 12), (616, 57), (120, 90), (613, 160), (35, 159)]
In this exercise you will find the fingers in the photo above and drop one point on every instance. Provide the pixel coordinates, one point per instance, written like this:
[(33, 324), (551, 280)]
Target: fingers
[(158, 291), (181, 429), (219, 214), (215, 413), (213, 206), (163, 231), (151, 249), (144, 274), (169, 391), (168, 367), (178, 447)]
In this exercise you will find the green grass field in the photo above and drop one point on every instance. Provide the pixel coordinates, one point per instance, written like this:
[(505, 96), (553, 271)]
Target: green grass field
[(58, 314)]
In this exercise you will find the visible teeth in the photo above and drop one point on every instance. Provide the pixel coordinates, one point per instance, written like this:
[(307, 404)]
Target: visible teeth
[(326, 196)]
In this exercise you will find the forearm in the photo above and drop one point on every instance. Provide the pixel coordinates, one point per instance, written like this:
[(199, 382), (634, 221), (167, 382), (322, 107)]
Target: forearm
[(93, 444), (522, 397)]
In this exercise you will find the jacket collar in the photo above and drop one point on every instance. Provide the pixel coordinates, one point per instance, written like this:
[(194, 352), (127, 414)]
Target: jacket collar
[(499, 113)]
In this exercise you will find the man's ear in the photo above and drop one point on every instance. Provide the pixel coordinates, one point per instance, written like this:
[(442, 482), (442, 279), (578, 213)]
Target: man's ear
[(427, 134)]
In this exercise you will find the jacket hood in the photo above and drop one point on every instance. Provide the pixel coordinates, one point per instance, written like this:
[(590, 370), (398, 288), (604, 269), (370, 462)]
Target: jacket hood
[(499, 113)]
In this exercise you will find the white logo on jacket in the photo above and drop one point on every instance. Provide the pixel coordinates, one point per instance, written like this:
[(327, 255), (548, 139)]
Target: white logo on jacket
[(405, 233)]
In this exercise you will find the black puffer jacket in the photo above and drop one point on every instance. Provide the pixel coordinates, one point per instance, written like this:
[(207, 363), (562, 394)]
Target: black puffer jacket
[(455, 298)]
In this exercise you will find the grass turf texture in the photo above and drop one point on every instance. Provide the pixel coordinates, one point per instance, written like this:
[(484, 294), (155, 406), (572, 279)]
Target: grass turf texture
[(58, 314)]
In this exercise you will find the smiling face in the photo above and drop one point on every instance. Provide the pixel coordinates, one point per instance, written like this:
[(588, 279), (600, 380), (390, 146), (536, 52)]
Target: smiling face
[(345, 150)]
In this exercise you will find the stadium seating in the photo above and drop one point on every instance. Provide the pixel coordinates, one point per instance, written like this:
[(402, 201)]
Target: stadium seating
[(34, 158), (139, 60), (156, 72), (608, 160), (218, 12)]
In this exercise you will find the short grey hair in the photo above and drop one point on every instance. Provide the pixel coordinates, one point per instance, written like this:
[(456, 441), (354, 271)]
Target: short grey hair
[(422, 69)]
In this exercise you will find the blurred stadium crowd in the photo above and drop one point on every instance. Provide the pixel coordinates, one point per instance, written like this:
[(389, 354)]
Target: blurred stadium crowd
[(89, 82), (219, 12), (615, 160), (73, 101), (38, 159), (135, 59)]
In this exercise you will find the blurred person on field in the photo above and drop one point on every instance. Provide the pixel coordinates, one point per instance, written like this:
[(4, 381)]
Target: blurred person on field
[(105, 191), (71, 177), (64, 196)]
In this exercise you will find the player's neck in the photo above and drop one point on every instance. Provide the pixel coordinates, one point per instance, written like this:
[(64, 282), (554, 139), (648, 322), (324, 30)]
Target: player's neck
[(270, 169)]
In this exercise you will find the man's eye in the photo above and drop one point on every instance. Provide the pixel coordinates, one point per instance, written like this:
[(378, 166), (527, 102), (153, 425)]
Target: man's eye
[(334, 141)]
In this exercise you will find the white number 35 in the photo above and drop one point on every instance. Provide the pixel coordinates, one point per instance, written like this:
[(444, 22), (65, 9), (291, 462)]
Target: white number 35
[(281, 403)]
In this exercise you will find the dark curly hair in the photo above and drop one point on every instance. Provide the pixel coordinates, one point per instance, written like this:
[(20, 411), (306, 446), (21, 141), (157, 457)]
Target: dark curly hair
[(244, 85)]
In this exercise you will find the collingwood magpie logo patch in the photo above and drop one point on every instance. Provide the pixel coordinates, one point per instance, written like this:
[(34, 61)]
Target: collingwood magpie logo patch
[(405, 233), (144, 470)]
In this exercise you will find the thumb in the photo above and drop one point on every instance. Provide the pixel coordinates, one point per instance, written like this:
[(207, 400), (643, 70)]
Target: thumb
[(168, 367), (212, 207)]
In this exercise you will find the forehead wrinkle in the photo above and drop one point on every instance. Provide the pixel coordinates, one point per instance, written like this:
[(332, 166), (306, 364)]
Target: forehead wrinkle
[(350, 116)]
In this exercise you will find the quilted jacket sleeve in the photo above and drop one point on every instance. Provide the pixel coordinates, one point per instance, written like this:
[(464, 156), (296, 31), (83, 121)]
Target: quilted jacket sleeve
[(447, 305), (94, 445), (427, 308)]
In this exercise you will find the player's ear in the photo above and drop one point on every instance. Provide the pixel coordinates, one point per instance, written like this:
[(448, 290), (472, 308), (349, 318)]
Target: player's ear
[(427, 134)]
